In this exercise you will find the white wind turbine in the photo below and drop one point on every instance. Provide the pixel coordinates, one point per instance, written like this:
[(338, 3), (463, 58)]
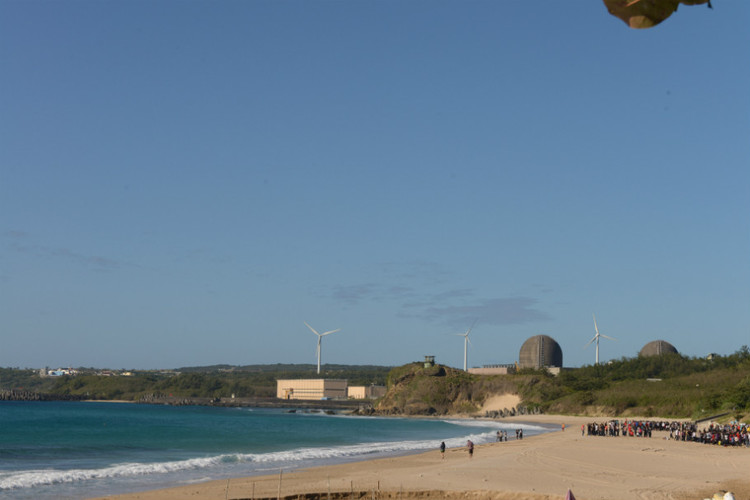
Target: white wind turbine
[(465, 335), (320, 336), (596, 337)]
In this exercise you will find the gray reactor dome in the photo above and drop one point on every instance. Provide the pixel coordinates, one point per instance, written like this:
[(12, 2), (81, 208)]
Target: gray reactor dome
[(540, 351), (657, 348)]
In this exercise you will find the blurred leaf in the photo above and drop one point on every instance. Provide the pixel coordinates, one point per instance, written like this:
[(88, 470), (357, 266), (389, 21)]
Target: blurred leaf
[(641, 14)]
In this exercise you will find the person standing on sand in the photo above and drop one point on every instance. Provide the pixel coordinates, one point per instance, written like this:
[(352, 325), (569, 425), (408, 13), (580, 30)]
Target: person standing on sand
[(442, 450), (470, 447)]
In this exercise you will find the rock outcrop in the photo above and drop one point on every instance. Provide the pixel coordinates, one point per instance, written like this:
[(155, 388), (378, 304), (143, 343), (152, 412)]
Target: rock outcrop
[(441, 390)]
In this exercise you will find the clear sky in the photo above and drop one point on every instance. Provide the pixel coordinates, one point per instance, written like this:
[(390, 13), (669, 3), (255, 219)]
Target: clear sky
[(186, 183)]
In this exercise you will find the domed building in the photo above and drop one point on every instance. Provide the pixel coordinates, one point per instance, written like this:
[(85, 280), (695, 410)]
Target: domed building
[(540, 351), (657, 348)]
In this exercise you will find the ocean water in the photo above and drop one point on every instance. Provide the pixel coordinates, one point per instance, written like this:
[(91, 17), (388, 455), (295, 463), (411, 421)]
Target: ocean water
[(82, 450)]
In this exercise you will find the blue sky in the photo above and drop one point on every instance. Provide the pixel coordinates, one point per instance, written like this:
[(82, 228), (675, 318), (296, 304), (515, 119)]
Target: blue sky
[(186, 183)]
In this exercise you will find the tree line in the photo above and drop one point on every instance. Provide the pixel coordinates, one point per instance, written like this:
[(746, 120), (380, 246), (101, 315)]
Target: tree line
[(256, 381)]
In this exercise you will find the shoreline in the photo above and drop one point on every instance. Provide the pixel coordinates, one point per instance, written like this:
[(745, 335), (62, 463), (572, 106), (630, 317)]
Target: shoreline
[(538, 467)]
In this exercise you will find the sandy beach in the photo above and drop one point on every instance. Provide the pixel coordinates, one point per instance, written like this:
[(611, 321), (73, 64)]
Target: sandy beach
[(535, 468)]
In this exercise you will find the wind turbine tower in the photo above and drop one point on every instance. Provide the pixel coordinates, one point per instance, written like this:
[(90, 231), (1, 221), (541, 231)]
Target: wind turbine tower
[(465, 335), (320, 336), (596, 338)]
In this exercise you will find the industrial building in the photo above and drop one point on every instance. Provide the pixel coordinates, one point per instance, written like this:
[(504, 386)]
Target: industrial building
[(657, 348), (540, 351), (313, 389), (319, 388), (366, 391), (493, 370)]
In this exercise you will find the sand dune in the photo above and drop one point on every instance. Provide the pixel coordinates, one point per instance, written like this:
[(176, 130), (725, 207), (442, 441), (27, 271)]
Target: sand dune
[(501, 402)]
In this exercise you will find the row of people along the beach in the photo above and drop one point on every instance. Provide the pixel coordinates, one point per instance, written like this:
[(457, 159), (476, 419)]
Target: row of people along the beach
[(501, 436), (735, 434)]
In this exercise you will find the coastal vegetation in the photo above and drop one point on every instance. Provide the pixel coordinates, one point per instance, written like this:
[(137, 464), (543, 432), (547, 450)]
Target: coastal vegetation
[(414, 389), (666, 385), (669, 385), (220, 381)]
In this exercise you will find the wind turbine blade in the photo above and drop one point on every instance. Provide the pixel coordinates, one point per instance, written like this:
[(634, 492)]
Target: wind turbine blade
[(606, 337), (595, 327), (330, 332), (590, 341), (311, 328)]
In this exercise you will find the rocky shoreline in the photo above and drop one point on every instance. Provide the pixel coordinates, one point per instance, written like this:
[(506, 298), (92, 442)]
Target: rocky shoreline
[(156, 399), (355, 407), (22, 395)]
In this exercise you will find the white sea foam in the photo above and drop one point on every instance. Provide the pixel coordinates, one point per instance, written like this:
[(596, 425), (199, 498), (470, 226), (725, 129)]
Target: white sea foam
[(499, 425), (28, 479), (258, 462), (288, 458)]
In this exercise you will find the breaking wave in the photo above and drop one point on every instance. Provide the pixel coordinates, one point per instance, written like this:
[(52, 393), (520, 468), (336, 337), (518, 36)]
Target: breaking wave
[(287, 458)]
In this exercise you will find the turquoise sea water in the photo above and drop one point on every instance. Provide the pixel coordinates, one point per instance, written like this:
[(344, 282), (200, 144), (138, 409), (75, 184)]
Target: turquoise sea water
[(82, 450)]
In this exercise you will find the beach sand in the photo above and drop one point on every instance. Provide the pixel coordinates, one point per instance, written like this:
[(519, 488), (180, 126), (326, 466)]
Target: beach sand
[(535, 468)]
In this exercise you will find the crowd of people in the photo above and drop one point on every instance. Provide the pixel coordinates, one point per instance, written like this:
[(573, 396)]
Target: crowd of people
[(503, 435), (635, 428), (734, 434)]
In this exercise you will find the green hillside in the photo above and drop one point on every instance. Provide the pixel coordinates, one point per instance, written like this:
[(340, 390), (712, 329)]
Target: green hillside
[(221, 381), (440, 390), (667, 386)]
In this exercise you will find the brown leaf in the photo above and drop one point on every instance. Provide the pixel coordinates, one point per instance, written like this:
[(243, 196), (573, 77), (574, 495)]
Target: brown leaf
[(641, 14)]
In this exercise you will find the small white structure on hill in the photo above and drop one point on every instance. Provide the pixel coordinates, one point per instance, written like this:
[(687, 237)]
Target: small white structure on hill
[(60, 372)]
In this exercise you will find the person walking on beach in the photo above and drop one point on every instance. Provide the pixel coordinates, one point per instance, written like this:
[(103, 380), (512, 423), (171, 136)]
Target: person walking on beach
[(470, 447), (442, 450)]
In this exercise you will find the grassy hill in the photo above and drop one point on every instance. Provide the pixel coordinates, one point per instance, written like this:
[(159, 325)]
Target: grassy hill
[(439, 390), (667, 386)]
